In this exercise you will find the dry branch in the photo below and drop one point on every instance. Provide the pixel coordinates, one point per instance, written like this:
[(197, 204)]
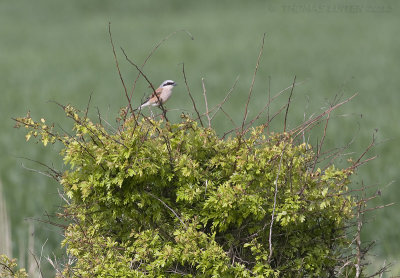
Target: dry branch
[(148, 81), (119, 71), (153, 51), (205, 100), (190, 95), (219, 106), (252, 83), (288, 104), (305, 126)]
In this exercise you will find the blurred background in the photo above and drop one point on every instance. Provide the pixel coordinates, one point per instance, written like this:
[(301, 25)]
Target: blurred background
[(60, 50)]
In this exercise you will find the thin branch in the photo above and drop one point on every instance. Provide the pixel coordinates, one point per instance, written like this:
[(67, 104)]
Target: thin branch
[(267, 107), (49, 222), (41, 256), (54, 173), (87, 107), (63, 197), (154, 196), (22, 123), (98, 114), (288, 103), (119, 71), (249, 124), (300, 129), (269, 100), (8, 268), (319, 148), (101, 120), (37, 263), (357, 163), (205, 100), (377, 207), (54, 264), (252, 82), (360, 254), (273, 116), (190, 95), (47, 174), (362, 162), (273, 209), (154, 50), (218, 106), (227, 115), (148, 81)]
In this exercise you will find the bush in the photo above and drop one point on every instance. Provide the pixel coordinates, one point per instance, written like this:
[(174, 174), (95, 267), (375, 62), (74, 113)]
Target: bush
[(157, 199), (9, 269), (161, 199)]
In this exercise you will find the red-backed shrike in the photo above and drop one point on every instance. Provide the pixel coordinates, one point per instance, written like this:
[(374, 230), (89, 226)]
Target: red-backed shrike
[(161, 94)]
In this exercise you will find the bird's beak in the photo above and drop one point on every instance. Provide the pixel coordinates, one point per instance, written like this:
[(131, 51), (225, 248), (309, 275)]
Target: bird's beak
[(175, 84)]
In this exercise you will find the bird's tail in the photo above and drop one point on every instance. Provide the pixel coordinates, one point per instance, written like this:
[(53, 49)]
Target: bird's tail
[(141, 106)]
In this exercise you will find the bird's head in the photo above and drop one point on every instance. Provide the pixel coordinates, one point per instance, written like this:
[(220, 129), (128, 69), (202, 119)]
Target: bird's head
[(168, 84)]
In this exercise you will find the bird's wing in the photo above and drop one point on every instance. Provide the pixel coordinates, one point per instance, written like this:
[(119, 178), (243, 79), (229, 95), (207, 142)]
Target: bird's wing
[(155, 95), (156, 92)]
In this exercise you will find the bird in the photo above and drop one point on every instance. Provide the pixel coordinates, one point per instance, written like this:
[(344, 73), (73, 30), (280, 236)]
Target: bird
[(160, 95)]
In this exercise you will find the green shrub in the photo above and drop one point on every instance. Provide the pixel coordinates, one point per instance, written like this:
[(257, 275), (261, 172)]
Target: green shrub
[(157, 199), (9, 269)]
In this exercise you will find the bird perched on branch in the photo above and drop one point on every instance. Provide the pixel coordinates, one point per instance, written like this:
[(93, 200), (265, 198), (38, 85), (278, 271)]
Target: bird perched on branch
[(160, 95)]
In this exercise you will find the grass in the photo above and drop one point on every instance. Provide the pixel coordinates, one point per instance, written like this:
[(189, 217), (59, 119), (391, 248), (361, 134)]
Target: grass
[(60, 50)]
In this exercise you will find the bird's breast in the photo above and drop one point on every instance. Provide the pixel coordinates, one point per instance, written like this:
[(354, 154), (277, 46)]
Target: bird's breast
[(165, 95)]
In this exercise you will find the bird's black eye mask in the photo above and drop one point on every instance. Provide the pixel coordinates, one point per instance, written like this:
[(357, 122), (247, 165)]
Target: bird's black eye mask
[(169, 83)]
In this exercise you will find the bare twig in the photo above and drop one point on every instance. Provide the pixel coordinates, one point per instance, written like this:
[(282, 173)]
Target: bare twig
[(384, 265), (154, 50), (162, 202), (319, 148), (359, 254), (269, 100), (218, 106), (267, 107), (49, 222), (88, 105), (37, 262), (300, 129), (101, 120), (54, 264), (362, 251), (119, 71), (274, 206), (63, 197), (358, 163), (252, 83), (41, 256), (288, 103), (304, 119), (47, 174), (377, 207), (363, 162), (8, 268), (274, 115), (148, 81), (227, 115), (249, 123), (190, 95), (52, 174), (98, 115), (205, 100)]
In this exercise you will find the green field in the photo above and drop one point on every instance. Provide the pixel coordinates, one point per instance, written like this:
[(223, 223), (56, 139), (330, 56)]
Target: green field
[(60, 50)]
